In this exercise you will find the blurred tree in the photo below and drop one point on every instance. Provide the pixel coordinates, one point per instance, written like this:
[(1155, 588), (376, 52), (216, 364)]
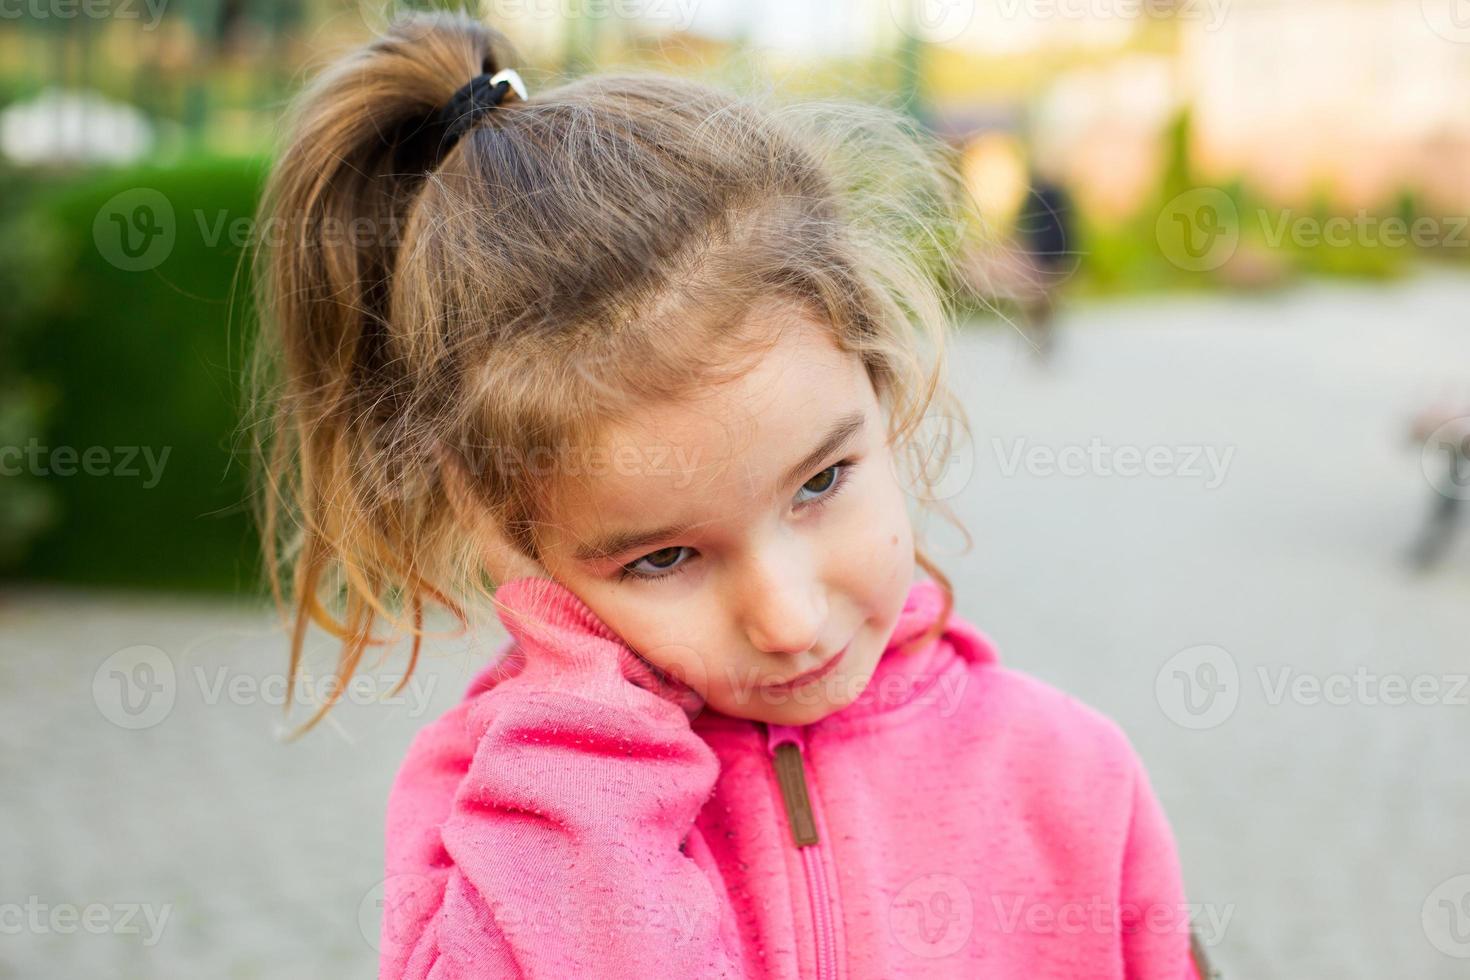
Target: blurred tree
[(28, 279)]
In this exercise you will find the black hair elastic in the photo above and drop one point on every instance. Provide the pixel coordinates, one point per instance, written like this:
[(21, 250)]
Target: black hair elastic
[(475, 98)]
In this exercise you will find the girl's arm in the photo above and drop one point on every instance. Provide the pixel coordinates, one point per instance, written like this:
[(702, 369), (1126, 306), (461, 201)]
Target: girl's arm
[(1156, 920), (551, 842)]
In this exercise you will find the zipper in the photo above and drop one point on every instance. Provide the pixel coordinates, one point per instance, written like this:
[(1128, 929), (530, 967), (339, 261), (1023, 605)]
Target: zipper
[(786, 745)]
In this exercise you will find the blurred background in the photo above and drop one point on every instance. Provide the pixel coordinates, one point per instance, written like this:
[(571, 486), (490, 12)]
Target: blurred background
[(1213, 346)]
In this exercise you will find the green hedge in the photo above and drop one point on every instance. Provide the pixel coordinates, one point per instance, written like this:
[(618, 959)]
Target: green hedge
[(140, 351)]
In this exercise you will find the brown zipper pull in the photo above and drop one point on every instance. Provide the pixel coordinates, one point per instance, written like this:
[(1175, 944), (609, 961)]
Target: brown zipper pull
[(791, 775)]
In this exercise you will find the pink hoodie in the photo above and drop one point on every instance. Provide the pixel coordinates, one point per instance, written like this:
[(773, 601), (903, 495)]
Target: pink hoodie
[(574, 816)]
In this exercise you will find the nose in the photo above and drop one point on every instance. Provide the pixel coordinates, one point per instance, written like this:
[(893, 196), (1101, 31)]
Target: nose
[(783, 601)]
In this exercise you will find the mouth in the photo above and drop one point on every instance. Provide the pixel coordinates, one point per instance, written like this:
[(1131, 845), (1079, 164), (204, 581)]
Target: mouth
[(810, 675)]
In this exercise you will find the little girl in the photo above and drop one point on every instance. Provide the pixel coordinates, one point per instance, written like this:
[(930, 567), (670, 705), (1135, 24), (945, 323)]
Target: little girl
[(649, 366)]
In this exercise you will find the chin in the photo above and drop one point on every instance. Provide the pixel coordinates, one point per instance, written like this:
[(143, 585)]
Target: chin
[(823, 697), (789, 709), (803, 713), (806, 708)]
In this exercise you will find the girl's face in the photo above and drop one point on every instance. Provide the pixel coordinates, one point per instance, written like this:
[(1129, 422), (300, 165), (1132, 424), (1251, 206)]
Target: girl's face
[(748, 537)]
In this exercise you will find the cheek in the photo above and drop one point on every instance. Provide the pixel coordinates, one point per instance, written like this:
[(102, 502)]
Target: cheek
[(873, 545), (659, 629), (676, 630)]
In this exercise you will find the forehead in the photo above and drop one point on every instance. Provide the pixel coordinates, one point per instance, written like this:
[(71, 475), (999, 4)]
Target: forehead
[(723, 450)]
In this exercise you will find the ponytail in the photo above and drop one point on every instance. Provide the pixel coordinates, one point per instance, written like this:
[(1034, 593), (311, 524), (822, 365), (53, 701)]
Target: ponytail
[(358, 144)]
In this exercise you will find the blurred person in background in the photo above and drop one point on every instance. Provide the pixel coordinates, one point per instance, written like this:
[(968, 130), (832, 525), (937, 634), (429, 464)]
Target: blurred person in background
[(1046, 235), (1443, 429)]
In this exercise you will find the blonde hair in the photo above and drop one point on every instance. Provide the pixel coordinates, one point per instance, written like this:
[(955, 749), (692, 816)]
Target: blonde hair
[(569, 256)]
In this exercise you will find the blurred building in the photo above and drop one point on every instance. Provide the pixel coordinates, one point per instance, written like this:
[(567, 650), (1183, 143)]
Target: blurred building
[(1355, 100), (1351, 102), (58, 127)]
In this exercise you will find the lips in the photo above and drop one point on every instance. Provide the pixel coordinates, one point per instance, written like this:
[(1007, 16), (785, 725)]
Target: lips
[(810, 675)]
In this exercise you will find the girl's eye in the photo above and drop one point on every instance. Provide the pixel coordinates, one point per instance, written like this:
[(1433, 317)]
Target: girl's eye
[(828, 484), (828, 487), (660, 564), (822, 481)]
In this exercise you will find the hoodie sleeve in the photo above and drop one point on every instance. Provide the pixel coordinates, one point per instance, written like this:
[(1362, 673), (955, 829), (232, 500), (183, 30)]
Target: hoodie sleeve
[(541, 832), (1157, 940)]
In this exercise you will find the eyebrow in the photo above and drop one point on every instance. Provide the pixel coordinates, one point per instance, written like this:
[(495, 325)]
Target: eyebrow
[(842, 431)]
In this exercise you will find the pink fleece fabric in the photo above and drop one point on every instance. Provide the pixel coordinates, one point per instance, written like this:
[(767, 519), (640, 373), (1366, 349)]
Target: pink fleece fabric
[(575, 816)]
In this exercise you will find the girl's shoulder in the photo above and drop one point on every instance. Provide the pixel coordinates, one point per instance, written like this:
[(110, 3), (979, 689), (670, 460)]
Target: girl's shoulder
[(1032, 715), (1057, 757)]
